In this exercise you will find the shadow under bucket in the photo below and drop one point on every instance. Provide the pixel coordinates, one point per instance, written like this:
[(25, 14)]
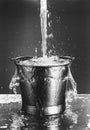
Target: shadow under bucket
[(42, 87)]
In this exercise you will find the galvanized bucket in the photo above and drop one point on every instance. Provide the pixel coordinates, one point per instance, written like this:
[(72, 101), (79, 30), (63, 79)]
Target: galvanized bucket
[(43, 87)]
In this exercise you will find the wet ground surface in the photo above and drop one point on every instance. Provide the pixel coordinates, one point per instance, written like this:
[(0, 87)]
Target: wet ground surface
[(76, 116)]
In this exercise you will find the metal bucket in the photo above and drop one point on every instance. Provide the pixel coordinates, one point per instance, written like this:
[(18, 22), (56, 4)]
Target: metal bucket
[(43, 87)]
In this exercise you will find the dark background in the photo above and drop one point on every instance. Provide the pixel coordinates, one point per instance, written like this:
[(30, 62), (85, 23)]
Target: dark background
[(20, 35)]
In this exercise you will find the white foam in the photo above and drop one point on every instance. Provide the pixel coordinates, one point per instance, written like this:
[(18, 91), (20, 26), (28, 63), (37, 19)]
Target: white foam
[(44, 61)]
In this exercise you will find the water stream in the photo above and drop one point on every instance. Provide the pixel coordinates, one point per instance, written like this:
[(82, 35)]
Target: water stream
[(43, 18)]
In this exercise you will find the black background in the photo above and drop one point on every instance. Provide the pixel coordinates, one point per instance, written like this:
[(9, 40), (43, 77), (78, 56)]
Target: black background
[(20, 35)]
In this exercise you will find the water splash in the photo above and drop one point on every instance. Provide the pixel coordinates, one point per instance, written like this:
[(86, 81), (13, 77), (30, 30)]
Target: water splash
[(88, 124), (55, 122), (35, 52), (17, 122)]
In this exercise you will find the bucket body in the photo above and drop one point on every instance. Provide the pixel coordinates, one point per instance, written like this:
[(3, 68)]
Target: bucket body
[(42, 87)]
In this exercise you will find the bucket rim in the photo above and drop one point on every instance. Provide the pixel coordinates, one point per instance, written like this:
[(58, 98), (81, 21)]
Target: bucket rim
[(22, 58)]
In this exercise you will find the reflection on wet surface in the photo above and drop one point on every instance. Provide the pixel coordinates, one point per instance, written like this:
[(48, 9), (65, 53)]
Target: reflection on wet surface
[(76, 116)]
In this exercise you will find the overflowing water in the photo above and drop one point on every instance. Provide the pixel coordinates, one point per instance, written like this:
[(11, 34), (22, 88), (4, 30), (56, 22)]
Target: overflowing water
[(40, 61), (14, 82)]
